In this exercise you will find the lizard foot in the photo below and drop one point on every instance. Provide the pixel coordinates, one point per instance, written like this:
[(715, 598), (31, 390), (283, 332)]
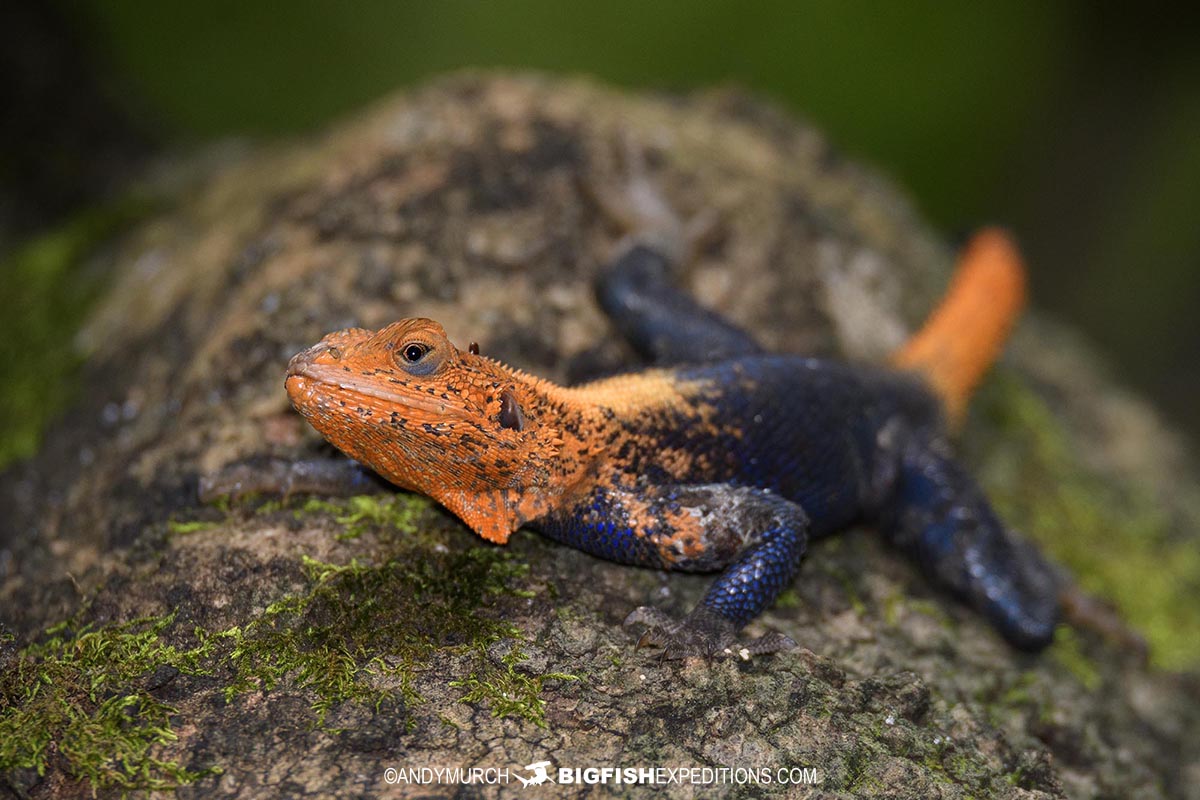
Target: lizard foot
[(703, 632), (637, 207)]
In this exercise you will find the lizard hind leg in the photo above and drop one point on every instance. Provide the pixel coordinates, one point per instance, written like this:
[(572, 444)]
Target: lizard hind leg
[(637, 289), (942, 519)]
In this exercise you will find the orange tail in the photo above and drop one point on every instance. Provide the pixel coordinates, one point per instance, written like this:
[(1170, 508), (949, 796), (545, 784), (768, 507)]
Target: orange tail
[(966, 332)]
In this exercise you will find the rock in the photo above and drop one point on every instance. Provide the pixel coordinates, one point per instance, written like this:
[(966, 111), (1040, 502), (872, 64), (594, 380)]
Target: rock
[(303, 648)]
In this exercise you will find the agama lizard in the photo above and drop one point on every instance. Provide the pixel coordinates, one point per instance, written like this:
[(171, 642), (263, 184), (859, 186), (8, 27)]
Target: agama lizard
[(719, 457)]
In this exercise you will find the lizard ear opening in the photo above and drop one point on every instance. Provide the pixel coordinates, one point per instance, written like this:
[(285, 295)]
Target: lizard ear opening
[(511, 416)]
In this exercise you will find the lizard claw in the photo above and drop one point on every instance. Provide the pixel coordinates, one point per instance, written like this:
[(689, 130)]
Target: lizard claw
[(704, 633)]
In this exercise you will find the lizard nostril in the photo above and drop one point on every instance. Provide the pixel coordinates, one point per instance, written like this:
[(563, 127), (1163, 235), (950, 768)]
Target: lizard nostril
[(318, 354), (298, 362)]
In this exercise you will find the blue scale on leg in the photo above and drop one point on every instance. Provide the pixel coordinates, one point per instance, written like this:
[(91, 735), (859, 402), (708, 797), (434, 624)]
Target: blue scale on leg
[(753, 582)]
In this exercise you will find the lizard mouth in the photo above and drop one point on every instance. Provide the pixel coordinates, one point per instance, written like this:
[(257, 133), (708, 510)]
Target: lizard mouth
[(301, 377)]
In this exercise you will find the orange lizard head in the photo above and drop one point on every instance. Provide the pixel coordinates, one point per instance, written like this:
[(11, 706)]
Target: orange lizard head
[(463, 429)]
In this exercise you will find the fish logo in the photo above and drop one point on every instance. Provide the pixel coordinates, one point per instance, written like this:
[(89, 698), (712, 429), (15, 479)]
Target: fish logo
[(540, 776)]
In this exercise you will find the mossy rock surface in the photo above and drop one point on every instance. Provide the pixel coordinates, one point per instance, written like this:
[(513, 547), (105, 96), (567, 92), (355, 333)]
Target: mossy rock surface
[(300, 648)]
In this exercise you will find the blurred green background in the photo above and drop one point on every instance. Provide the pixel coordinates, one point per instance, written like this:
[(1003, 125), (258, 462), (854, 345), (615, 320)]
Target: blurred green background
[(1075, 123)]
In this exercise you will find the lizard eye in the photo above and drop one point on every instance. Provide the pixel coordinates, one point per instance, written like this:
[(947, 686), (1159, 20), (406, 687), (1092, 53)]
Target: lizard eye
[(413, 352), (417, 358)]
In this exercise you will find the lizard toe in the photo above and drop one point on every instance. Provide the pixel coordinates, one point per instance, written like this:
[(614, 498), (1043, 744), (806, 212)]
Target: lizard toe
[(704, 633), (769, 643)]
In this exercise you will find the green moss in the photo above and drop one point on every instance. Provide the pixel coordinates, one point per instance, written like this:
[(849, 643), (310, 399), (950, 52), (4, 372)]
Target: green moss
[(47, 293), (359, 632), (895, 601), (184, 527), (788, 598), (400, 511), (356, 633), (270, 506), (1017, 695), (1116, 542), (850, 587), (1068, 653), (859, 779), (74, 698), (507, 691)]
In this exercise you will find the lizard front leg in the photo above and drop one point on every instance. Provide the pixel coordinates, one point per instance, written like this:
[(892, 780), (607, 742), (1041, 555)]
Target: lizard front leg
[(335, 477), (758, 538)]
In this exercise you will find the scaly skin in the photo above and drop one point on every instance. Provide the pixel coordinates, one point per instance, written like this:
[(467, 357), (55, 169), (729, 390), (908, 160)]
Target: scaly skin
[(722, 457)]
